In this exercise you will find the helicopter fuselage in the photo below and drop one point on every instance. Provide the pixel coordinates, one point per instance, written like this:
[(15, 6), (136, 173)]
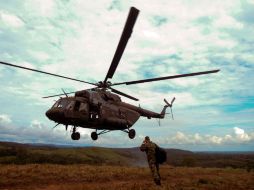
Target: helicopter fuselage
[(97, 109)]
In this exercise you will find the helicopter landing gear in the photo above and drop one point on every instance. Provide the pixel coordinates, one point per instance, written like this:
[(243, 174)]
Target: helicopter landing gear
[(132, 134), (75, 135), (94, 136)]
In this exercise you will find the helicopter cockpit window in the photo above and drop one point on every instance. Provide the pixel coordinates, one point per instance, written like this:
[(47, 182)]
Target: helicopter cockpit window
[(60, 103), (55, 105)]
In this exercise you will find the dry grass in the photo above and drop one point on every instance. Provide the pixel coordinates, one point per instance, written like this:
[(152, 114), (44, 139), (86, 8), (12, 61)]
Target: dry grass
[(78, 177)]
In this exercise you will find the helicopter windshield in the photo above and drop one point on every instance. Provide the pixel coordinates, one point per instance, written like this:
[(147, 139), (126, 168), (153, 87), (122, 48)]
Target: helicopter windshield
[(61, 103)]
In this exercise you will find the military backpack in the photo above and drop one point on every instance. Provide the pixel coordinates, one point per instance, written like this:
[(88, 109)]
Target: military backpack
[(160, 154)]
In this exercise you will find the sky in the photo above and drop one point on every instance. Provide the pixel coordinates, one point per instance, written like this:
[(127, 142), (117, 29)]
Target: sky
[(78, 39)]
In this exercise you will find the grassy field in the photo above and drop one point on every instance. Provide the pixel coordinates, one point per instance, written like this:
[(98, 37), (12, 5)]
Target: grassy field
[(77, 177)]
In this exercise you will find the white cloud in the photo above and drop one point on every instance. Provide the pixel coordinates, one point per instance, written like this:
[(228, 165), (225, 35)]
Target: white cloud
[(5, 119), (36, 124), (241, 135), (151, 34), (182, 138), (11, 20), (39, 55), (198, 137), (228, 22), (215, 139), (43, 8)]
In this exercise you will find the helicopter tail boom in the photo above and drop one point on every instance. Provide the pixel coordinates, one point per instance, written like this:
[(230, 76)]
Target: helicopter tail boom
[(150, 114)]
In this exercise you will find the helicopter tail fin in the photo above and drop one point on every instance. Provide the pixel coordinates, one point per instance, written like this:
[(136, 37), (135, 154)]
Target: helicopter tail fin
[(163, 112)]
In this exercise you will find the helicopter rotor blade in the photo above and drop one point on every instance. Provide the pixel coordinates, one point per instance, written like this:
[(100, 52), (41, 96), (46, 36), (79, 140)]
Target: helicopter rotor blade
[(166, 78), (123, 94), (133, 14), (64, 93), (58, 95), (35, 70)]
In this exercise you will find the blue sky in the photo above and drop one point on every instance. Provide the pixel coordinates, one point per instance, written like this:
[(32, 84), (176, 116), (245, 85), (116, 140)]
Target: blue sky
[(78, 39)]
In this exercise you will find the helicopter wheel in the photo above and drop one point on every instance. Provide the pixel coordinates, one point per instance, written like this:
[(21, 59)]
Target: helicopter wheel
[(132, 134), (75, 136), (94, 136)]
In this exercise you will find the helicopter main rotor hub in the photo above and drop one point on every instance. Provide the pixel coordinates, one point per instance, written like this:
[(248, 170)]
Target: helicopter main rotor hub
[(104, 84)]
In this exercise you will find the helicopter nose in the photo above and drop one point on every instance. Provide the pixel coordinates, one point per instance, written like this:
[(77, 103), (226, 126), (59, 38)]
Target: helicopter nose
[(55, 115)]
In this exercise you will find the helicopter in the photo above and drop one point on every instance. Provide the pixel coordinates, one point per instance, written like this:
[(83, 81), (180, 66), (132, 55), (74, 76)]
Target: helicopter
[(101, 108)]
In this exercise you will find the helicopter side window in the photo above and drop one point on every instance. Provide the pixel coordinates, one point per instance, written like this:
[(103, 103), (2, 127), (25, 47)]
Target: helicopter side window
[(70, 105), (83, 107), (77, 105)]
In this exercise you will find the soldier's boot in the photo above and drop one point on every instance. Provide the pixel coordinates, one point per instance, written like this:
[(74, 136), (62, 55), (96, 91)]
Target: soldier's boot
[(157, 181)]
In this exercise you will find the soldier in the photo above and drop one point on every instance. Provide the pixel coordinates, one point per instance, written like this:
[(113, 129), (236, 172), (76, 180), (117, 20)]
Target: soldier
[(149, 147)]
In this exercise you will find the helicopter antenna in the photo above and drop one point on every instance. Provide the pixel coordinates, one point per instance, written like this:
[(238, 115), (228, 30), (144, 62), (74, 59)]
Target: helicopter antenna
[(56, 125), (64, 93)]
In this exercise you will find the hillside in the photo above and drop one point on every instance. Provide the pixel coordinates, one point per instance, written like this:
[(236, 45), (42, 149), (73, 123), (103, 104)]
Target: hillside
[(50, 167), (26, 153), (15, 153)]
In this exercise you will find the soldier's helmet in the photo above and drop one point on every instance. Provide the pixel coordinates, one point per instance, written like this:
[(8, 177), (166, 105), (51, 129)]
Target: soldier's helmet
[(147, 138)]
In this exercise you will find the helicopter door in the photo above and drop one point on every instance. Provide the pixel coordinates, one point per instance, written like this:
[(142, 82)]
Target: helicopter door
[(77, 106), (77, 109)]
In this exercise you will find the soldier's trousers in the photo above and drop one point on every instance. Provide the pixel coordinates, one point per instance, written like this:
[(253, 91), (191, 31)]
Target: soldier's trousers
[(155, 170)]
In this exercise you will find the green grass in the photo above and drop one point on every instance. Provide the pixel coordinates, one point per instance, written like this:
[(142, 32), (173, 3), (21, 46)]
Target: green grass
[(89, 155)]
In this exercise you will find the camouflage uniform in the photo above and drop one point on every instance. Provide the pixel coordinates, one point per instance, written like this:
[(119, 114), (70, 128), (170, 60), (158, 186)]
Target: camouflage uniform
[(149, 147)]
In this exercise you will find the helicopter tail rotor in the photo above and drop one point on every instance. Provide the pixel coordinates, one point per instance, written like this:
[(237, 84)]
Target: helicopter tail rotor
[(168, 105)]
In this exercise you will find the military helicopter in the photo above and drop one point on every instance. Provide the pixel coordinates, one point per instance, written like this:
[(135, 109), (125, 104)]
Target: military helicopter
[(100, 108)]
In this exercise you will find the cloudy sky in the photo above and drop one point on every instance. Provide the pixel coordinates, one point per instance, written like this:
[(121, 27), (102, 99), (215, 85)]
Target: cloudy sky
[(78, 39)]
